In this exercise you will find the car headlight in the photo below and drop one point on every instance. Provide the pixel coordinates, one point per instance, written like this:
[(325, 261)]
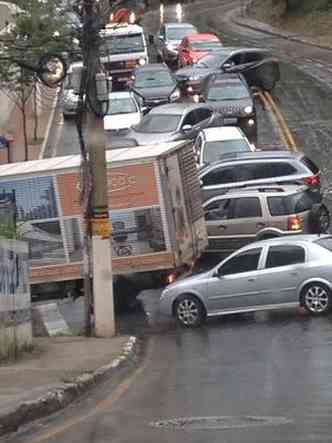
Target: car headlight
[(248, 110), (194, 77), (251, 122), (175, 95), (141, 61)]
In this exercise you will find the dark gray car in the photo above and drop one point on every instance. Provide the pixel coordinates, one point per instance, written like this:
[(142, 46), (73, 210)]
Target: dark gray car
[(173, 122), (230, 95), (154, 85), (259, 68)]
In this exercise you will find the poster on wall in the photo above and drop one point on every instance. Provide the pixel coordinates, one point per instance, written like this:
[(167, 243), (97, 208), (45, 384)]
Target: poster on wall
[(35, 198)]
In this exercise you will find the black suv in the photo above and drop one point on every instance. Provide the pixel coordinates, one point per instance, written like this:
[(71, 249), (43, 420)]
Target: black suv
[(257, 65), (230, 95), (259, 167)]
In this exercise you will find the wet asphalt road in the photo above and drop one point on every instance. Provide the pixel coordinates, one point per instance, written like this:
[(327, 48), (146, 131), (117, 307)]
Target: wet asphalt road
[(264, 377), (246, 378)]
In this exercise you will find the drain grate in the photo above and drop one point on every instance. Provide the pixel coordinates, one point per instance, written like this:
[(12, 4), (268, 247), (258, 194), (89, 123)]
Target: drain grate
[(223, 422)]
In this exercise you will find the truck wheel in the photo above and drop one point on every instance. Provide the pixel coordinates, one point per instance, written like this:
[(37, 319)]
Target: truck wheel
[(189, 311)]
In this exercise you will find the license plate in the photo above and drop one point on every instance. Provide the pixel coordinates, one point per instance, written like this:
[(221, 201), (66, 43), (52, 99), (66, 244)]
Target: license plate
[(230, 121)]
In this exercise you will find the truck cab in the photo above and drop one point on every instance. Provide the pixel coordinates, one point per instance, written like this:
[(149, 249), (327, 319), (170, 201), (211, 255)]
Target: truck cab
[(123, 48)]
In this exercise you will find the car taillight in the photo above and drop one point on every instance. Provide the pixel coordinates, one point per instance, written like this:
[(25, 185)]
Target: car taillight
[(294, 223), (171, 278), (314, 180)]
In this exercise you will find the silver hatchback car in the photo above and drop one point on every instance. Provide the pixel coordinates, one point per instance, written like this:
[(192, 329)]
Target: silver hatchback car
[(271, 274)]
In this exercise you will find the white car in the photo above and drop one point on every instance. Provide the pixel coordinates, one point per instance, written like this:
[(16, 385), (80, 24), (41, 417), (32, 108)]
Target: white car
[(213, 143), (70, 97), (123, 112)]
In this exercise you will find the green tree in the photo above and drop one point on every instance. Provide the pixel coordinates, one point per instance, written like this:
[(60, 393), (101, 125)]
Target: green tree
[(39, 29)]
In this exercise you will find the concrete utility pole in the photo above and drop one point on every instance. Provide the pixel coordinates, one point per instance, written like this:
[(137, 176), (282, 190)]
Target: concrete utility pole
[(99, 221)]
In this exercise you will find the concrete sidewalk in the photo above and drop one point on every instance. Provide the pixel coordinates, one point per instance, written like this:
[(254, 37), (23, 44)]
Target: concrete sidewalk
[(55, 373)]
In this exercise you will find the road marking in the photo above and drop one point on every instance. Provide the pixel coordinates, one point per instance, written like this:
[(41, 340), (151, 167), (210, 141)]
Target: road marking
[(284, 129), (267, 106), (103, 405)]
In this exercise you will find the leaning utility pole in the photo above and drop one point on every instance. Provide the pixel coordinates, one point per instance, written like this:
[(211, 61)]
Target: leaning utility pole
[(99, 216)]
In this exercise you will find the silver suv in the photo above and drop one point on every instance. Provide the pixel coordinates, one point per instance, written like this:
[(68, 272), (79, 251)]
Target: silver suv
[(240, 216), (258, 168)]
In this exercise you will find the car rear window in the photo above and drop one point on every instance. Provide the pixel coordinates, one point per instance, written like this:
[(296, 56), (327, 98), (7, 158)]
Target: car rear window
[(290, 204), (262, 170), (310, 164), (325, 243)]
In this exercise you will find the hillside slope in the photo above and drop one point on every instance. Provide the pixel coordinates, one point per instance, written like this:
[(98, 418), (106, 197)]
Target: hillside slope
[(310, 18)]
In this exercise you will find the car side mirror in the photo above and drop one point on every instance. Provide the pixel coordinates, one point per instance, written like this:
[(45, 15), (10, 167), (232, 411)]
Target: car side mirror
[(161, 38), (151, 39), (186, 129), (217, 274), (144, 109)]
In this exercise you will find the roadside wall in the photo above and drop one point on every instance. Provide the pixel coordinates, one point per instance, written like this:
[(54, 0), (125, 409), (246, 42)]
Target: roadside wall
[(15, 301)]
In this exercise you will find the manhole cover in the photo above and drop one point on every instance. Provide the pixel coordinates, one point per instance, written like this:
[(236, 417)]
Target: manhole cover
[(199, 423)]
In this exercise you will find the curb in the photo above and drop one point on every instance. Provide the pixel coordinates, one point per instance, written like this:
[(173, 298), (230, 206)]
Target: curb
[(262, 27), (66, 393)]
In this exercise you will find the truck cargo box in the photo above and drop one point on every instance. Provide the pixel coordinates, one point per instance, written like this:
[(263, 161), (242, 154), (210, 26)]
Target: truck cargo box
[(155, 209)]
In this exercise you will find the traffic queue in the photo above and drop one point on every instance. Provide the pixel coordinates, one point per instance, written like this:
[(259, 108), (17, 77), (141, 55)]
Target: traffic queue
[(206, 93)]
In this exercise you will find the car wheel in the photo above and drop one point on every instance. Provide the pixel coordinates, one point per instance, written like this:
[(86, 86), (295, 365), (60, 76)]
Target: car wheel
[(324, 219), (319, 219), (317, 299), (189, 311)]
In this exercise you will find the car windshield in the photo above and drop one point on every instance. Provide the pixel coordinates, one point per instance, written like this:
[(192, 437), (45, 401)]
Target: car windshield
[(325, 243), (290, 204), (212, 61), (179, 33), (153, 79), (214, 150), (158, 123), (205, 45), (124, 105), (123, 43), (228, 91)]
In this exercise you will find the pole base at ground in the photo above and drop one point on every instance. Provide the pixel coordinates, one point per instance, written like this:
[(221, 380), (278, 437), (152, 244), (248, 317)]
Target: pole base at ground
[(103, 287)]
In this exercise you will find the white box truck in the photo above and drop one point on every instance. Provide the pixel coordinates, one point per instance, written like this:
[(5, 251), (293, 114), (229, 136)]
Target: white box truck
[(155, 208)]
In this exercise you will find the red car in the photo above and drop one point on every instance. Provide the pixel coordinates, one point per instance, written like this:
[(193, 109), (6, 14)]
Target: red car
[(195, 46)]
